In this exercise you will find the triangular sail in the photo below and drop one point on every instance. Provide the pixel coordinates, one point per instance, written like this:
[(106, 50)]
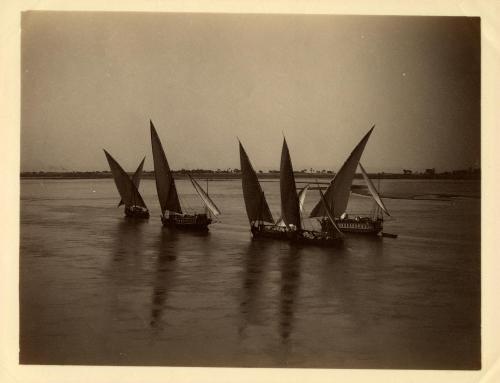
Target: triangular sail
[(338, 192), (205, 197), (165, 184), (280, 222), (329, 212), (302, 197), (290, 207), (373, 190), (255, 201), (128, 191), (136, 178)]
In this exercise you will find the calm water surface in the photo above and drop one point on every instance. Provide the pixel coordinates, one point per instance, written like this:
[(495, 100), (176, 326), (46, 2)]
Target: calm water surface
[(98, 289)]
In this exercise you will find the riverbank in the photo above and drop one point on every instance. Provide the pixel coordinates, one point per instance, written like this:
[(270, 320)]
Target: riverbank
[(457, 175)]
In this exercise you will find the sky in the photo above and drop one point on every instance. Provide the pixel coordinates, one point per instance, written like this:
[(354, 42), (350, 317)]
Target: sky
[(92, 80)]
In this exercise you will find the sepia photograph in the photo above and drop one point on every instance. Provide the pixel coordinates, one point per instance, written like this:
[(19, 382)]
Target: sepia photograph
[(249, 193), (250, 190)]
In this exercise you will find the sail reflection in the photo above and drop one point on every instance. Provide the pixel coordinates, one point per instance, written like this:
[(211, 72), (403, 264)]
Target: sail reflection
[(345, 278), (124, 262), (164, 273), (129, 239), (255, 261), (290, 280)]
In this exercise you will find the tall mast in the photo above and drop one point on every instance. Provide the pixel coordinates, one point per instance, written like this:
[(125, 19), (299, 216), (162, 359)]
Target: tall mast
[(206, 208)]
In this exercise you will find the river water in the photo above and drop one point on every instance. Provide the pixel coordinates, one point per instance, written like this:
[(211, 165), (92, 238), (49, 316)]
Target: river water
[(98, 289)]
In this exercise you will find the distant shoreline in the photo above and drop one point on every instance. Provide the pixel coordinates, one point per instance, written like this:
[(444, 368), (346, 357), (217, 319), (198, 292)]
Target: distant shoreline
[(456, 175)]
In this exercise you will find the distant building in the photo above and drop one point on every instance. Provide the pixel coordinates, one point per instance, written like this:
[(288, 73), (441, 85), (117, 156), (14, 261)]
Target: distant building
[(407, 171), (430, 172)]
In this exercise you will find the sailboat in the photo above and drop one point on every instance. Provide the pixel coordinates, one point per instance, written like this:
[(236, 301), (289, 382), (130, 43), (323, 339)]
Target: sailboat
[(136, 178), (337, 196), (172, 215), (261, 220), (128, 189), (366, 224), (302, 198), (291, 210)]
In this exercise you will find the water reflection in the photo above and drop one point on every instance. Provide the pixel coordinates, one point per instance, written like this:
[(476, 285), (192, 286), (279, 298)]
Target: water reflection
[(351, 282), (290, 280), (124, 264), (128, 239), (166, 265), (127, 252), (255, 260)]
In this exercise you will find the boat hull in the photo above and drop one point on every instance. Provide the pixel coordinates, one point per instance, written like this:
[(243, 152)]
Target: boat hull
[(361, 225), (136, 212), (269, 232), (315, 238), (187, 222), (302, 237)]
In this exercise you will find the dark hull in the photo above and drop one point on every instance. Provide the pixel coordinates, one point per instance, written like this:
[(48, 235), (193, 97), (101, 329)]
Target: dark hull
[(389, 235), (364, 225), (269, 232), (195, 222), (136, 213), (303, 237)]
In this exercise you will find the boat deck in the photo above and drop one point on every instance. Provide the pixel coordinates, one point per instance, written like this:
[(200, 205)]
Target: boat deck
[(360, 225)]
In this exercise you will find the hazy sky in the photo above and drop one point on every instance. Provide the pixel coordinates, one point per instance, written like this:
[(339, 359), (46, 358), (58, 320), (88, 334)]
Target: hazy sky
[(93, 81)]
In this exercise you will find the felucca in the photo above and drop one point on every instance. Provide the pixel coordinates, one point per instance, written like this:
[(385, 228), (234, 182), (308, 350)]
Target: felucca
[(259, 215), (337, 196), (289, 226), (128, 189), (172, 215), (291, 210)]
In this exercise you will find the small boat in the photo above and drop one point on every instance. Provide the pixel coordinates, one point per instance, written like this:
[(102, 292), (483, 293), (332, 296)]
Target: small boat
[(365, 224), (337, 196), (128, 189), (172, 215), (259, 215), (288, 227), (291, 209), (136, 178)]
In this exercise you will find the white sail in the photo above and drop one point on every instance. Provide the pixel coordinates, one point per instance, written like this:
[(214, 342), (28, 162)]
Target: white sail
[(329, 212), (302, 197), (280, 222), (338, 192), (373, 190), (205, 198)]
